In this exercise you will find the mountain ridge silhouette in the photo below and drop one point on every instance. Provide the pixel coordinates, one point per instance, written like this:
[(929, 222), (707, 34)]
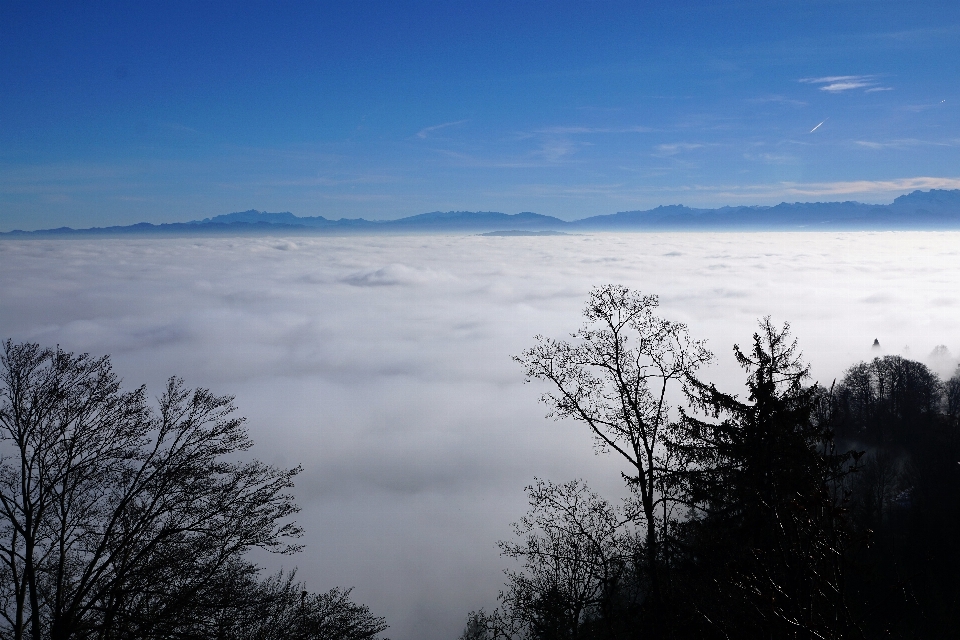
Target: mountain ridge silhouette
[(933, 209)]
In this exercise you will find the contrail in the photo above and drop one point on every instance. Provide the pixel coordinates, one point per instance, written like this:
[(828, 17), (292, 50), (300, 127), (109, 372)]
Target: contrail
[(816, 127)]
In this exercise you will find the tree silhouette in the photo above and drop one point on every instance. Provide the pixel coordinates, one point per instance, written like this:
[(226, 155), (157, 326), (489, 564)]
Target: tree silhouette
[(766, 534), (118, 520), (617, 378), (577, 578), (906, 500), (796, 512)]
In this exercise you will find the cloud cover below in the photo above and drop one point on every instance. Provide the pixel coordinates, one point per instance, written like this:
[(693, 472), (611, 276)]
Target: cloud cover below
[(383, 364)]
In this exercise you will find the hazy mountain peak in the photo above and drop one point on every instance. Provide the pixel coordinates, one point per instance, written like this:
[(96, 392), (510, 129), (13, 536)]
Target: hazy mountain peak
[(252, 215), (933, 197)]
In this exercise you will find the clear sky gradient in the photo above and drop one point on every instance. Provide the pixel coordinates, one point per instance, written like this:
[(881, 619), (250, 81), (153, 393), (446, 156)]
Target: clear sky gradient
[(128, 112)]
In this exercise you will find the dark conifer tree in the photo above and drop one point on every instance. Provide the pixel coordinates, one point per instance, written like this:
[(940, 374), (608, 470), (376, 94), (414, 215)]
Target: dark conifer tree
[(765, 539)]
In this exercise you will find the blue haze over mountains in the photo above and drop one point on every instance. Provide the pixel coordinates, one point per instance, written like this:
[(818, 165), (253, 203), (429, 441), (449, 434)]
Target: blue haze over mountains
[(934, 209)]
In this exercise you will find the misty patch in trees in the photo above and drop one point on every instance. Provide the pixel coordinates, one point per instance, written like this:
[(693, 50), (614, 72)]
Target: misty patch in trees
[(795, 511), (120, 520)]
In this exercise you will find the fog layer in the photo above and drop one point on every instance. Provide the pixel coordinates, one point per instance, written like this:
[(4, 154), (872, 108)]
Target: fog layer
[(382, 365)]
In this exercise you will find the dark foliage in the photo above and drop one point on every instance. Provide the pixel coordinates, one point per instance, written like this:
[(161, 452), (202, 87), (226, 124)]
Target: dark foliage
[(807, 512), (763, 546), (906, 500)]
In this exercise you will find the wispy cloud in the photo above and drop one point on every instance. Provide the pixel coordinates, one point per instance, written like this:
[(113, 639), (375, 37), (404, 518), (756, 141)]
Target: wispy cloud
[(533, 160), (874, 186), (182, 128), (772, 158), (778, 99), (423, 133), (924, 35), (330, 180), (62, 179), (712, 195), (835, 189), (839, 84), (555, 150), (673, 148), (837, 87), (918, 108), (561, 191), (903, 143), (587, 130)]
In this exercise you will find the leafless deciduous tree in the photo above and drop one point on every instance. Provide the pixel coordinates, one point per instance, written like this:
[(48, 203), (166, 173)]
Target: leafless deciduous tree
[(117, 520), (577, 554), (280, 608), (616, 376)]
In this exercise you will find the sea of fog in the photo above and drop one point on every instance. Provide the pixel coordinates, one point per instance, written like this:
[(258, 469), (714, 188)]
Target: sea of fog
[(382, 364)]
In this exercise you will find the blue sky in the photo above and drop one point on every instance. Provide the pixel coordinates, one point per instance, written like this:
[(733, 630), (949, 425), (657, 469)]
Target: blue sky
[(119, 113)]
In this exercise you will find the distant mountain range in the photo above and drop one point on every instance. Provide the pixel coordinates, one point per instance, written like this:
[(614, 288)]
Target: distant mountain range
[(935, 209)]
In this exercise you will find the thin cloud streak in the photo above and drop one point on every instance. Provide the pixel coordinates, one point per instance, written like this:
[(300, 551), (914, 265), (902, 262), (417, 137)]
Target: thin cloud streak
[(674, 148), (836, 87), (423, 133), (839, 84), (841, 188), (589, 130), (626, 196), (906, 142), (777, 99)]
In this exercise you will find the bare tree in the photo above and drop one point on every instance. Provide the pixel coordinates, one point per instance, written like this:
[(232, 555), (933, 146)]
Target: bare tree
[(576, 580), (578, 555), (115, 519), (617, 378), (280, 608)]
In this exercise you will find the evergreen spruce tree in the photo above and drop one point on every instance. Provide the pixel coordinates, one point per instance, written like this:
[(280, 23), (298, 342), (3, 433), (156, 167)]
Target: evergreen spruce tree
[(763, 546)]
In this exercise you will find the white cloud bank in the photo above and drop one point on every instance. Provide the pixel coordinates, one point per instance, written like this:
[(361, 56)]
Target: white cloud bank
[(382, 364)]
